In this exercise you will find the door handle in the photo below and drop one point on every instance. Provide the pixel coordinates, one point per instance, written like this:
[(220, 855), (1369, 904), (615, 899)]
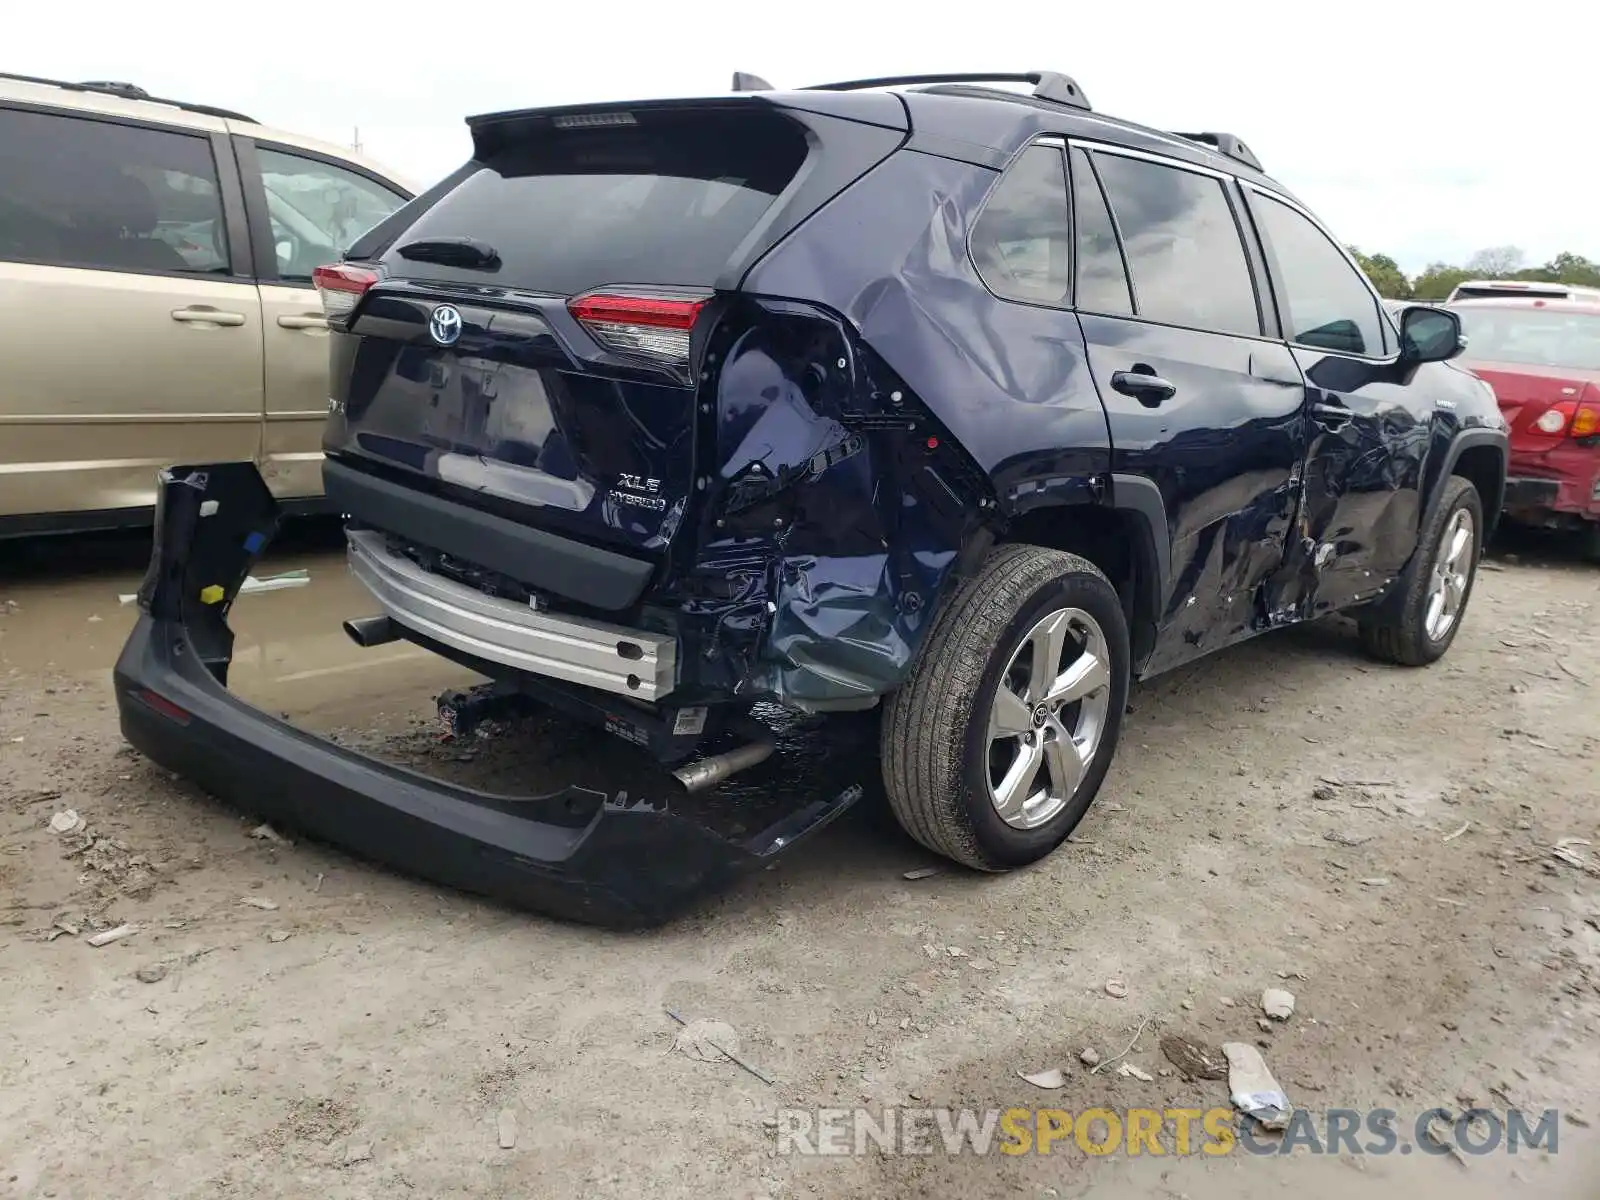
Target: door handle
[(1331, 415), (307, 322), (200, 315), (1144, 385)]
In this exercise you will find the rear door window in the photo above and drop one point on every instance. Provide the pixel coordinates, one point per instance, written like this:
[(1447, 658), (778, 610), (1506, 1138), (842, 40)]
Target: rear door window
[(79, 192), (1102, 275), (664, 203), (1182, 244), (1022, 240)]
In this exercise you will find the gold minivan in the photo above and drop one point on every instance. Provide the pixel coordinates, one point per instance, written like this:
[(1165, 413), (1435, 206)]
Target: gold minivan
[(155, 286)]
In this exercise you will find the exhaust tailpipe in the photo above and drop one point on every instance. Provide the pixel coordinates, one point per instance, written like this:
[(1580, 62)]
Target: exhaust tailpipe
[(368, 632), (708, 772)]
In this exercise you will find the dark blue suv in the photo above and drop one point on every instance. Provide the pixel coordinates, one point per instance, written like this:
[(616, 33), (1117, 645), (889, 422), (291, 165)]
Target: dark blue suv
[(920, 391)]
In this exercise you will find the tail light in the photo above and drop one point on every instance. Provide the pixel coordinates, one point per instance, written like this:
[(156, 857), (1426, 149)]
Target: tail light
[(652, 327), (1586, 419), (1575, 418), (341, 285)]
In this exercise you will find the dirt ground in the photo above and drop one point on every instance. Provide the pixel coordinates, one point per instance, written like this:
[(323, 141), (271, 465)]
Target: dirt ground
[(1286, 814)]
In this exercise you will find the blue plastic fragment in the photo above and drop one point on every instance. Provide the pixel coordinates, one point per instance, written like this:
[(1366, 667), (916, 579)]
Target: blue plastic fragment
[(254, 542)]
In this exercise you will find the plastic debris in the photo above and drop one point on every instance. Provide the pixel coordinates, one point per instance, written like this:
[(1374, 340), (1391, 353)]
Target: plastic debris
[(1252, 1088), (259, 902), (274, 583), (1465, 825), (921, 873), (506, 1126), (112, 935), (1050, 1079), (67, 821), (1129, 1071), (1378, 881), (1116, 989), (1277, 1004)]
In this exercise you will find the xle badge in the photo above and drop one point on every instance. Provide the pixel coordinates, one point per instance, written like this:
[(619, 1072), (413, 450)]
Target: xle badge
[(636, 491)]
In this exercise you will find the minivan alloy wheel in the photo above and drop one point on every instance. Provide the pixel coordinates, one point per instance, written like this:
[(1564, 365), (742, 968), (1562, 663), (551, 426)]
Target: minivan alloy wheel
[(1047, 717), (1447, 590)]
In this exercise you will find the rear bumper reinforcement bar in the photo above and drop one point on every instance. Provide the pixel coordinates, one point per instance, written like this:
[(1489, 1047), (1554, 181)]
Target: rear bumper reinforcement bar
[(629, 662), (577, 854)]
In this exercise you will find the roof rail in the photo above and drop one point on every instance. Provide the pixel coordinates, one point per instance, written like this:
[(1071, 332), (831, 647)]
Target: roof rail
[(129, 91), (1048, 85), (1227, 145)]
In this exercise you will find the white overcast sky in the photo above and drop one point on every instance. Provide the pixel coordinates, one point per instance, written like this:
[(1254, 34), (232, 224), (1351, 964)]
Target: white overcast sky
[(1421, 130)]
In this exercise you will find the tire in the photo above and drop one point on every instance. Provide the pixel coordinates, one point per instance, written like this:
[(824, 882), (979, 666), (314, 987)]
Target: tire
[(940, 767), (1408, 640)]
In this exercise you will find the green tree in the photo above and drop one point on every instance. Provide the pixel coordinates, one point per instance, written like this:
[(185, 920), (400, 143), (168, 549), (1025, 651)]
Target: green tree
[(1384, 273), (1574, 268), (1438, 280)]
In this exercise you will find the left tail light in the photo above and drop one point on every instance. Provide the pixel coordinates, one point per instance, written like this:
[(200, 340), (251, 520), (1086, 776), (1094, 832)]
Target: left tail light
[(1586, 418), (341, 286), (657, 328)]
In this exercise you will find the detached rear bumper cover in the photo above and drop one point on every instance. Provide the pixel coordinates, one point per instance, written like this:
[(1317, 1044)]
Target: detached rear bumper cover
[(577, 854)]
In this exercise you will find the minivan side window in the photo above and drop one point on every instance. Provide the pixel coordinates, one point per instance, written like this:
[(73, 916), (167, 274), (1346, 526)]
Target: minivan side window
[(317, 210), (1178, 227), (1022, 240), (79, 192), (1102, 285), (1326, 303)]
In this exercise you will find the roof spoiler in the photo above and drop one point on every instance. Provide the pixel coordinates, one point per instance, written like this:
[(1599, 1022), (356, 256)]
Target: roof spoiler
[(1227, 145)]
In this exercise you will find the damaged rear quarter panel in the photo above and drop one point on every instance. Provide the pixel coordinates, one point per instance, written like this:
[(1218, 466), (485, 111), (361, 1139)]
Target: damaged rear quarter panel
[(870, 426)]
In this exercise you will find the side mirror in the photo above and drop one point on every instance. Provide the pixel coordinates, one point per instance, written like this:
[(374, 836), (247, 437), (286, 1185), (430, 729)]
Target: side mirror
[(1430, 334)]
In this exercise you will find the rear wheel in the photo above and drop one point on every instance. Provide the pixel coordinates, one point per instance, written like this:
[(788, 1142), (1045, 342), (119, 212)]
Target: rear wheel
[(1438, 583), (994, 748)]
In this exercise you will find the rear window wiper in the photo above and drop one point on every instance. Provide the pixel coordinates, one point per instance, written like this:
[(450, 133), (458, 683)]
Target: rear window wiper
[(453, 252)]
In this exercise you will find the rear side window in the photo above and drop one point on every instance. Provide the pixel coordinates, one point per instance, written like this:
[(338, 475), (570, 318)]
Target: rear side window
[(1102, 277), (1328, 304), (665, 202), (1022, 241), (1183, 246), (76, 192)]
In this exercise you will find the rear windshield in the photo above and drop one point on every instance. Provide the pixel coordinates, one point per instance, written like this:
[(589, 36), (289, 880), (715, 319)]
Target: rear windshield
[(1533, 336), (663, 202), (1478, 293)]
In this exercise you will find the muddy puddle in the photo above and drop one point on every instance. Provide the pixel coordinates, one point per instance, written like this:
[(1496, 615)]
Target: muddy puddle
[(64, 614)]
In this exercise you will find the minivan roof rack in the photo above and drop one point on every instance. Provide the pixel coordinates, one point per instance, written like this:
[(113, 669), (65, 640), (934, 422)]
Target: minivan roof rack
[(129, 91), (1047, 85), (1227, 145)]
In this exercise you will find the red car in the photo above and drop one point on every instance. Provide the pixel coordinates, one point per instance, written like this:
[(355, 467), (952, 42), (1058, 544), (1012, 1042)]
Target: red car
[(1542, 357)]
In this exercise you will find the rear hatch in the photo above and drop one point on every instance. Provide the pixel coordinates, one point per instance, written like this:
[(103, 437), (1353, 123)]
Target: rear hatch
[(1543, 361), (530, 343), (1543, 409)]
